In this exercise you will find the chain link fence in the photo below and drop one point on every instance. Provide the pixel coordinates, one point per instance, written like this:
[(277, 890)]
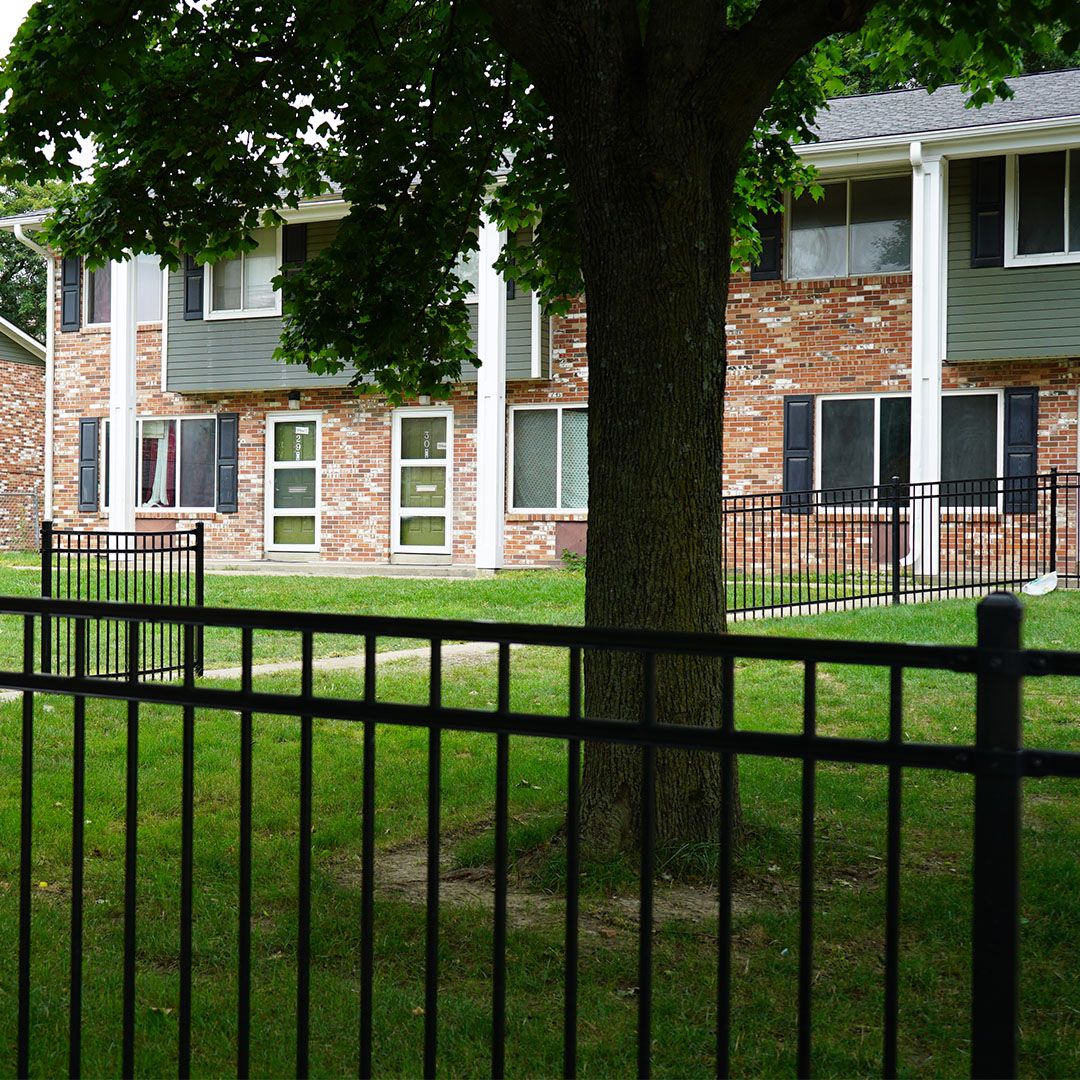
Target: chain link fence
[(20, 521)]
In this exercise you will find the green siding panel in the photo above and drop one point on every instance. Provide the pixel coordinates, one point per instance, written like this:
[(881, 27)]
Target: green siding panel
[(1004, 313), (12, 350)]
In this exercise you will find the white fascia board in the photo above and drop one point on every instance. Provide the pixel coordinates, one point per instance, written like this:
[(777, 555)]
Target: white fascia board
[(317, 210), (952, 142), (20, 337)]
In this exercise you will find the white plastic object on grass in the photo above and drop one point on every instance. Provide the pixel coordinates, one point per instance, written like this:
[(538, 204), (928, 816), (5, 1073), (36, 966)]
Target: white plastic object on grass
[(1041, 585)]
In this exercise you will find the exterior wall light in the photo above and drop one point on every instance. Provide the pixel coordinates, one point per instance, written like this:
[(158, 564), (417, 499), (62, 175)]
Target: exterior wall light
[(294, 399)]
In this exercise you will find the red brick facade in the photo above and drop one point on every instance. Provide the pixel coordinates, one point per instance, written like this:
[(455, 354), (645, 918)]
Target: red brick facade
[(848, 335), (22, 453)]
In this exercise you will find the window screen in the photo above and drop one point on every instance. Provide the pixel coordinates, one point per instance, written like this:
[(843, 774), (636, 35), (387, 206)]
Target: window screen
[(894, 440), (847, 449), (535, 458), (818, 240), (197, 461), (157, 449), (575, 459), (147, 289), (969, 460), (99, 294), (1041, 220), (881, 225)]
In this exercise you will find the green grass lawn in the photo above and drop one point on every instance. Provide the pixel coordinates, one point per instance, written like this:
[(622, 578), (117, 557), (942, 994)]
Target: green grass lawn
[(935, 957)]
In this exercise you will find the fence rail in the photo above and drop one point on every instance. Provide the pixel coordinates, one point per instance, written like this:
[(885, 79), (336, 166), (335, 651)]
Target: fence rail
[(996, 759), (898, 542), (152, 568)]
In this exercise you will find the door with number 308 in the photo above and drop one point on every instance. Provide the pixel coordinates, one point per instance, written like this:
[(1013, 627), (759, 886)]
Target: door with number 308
[(421, 483)]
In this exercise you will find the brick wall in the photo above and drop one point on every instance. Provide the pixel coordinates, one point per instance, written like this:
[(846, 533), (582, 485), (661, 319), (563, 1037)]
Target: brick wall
[(22, 453)]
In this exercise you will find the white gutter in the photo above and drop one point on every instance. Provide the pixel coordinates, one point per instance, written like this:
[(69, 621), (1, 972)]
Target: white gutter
[(50, 356)]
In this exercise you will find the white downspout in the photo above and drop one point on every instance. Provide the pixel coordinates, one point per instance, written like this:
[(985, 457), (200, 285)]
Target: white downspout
[(50, 356)]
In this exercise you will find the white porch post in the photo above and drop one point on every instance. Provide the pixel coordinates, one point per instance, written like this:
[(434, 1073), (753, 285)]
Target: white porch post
[(928, 248), (122, 451), (490, 402)]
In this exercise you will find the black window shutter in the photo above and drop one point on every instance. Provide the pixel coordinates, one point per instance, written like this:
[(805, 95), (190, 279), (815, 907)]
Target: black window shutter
[(228, 426), (193, 288), (798, 452), (88, 464), (1021, 449), (988, 212), (294, 247), (70, 305), (767, 268)]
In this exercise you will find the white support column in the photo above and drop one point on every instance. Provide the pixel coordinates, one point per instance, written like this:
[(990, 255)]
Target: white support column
[(534, 336), (928, 248), (122, 450), (490, 402)]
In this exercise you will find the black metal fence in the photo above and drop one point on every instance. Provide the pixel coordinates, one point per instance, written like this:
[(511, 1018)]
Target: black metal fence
[(997, 761), (152, 568), (898, 542)]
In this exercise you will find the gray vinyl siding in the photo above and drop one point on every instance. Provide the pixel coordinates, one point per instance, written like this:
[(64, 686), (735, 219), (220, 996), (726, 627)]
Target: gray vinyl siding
[(1001, 313), (236, 354), (13, 351)]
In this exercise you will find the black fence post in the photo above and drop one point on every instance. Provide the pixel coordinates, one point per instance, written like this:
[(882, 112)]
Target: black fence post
[(200, 594), (995, 942), (46, 591), (1053, 517), (895, 540)]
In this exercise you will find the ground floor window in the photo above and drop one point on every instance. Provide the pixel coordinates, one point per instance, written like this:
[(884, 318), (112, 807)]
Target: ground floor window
[(177, 463), (863, 441), (294, 468), (549, 455)]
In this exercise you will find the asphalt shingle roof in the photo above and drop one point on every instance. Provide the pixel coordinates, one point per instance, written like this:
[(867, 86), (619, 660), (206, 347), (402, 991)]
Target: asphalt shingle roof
[(903, 112)]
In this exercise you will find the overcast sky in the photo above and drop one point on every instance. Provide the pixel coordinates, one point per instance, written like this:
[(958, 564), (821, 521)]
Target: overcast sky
[(12, 13)]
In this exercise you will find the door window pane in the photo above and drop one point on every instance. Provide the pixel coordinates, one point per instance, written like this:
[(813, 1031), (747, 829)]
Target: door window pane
[(818, 235), (157, 449), (260, 269), (294, 441), (294, 489), (227, 278), (423, 531), (847, 448), (535, 452), (198, 461), (294, 530), (99, 294), (1041, 225), (423, 486), (881, 225), (423, 438), (969, 450), (894, 451), (575, 459)]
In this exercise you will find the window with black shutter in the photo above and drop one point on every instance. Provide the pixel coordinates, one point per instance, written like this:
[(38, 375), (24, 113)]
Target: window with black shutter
[(770, 228), (70, 302), (798, 452), (88, 465), (988, 212), (193, 288), (1021, 449), (294, 247), (228, 462)]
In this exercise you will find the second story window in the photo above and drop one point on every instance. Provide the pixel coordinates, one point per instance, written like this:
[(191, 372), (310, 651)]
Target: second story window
[(858, 227), (1043, 199), (243, 287), (147, 292)]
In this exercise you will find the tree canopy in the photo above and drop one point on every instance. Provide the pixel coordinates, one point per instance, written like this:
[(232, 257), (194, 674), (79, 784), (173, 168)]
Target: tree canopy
[(22, 272), (206, 118)]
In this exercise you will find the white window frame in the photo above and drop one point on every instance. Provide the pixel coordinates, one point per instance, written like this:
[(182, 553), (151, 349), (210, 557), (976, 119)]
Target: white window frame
[(877, 398), (560, 407), (847, 182), (242, 313), (397, 463), (179, 507), (86, 272), (269, 510), (1012, 213)]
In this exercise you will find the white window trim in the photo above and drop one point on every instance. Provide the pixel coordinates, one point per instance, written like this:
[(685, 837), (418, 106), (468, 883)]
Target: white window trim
[(86, 272), (996, 391), (1012, 215), (211, 315), (179, 507), (573, 513), (846, 181), (397, 463), (269, 511)]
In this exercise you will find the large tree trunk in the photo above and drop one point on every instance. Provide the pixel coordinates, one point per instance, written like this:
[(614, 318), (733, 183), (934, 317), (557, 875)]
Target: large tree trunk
[(655, 219)]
